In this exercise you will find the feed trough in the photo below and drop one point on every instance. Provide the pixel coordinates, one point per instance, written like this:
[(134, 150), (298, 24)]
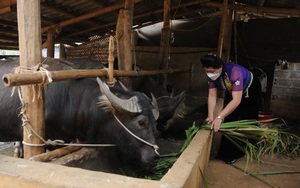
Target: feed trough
[(186, 171)]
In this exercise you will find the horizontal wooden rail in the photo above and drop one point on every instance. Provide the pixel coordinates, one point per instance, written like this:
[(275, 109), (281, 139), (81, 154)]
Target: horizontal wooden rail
[(11, 80)]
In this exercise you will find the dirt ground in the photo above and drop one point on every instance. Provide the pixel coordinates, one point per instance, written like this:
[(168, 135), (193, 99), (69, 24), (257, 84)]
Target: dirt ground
[(219, 174)]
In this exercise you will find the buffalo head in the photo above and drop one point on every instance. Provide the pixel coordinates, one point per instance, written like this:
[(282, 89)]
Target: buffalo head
[(135, 119)]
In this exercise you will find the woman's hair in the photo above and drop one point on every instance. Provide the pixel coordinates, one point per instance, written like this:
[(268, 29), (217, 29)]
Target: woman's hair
[(211, 60)]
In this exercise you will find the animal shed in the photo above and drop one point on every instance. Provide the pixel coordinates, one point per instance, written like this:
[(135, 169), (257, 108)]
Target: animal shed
[(57, 19)]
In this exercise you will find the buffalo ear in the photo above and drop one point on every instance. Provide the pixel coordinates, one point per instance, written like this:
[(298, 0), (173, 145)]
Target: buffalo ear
[(155, 110)]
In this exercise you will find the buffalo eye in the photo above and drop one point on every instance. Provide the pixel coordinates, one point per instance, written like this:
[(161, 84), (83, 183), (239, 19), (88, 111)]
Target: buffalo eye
[(142, 123)]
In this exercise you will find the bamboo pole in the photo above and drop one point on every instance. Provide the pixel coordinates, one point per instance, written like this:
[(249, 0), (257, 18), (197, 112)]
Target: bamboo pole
[(12, 80), (29, 28), (111, 58)]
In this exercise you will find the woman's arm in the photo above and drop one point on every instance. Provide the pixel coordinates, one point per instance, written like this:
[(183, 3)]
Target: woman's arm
[(233, 104), (211, 103), (230, 107)]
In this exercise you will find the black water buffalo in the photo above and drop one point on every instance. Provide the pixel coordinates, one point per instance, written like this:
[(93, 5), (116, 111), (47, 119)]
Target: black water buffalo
[(84, 110), (167, 103)]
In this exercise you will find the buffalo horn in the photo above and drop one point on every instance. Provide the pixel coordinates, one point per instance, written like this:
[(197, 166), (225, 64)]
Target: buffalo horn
[(155, 110), (130, 105)]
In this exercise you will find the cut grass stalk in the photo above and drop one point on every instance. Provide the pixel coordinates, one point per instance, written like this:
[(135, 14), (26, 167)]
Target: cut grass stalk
[(247, 135), (167, 161), (255, 141), (255, 176), (276, 173), (205, 184)]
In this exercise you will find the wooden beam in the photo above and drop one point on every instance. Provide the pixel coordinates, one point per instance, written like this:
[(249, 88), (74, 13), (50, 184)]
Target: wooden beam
[(9, 46), (99, 12), (5, 10), (6, 3), (12, 80), (255, 9), (13, 45), (8, 23), (29, 27), (9, 31), (106, 25), (60, 10), (95, 2), (8, 39)]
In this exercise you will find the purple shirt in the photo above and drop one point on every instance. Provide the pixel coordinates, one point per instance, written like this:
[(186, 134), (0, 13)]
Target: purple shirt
[(233, 78)]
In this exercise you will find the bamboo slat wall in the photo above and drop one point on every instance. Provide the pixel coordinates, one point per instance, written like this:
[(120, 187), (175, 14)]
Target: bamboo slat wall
[(97, 49)]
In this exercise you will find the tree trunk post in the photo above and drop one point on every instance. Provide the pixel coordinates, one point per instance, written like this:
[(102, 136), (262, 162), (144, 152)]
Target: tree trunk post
[(29, 27), (124, 39)]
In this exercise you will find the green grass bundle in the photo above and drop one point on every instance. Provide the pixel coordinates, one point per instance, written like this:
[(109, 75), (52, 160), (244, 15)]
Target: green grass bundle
[(167, 161), (248, 135), (255, 140)]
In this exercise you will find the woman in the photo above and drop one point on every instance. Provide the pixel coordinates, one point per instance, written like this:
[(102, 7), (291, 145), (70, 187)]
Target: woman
[(242, 99)]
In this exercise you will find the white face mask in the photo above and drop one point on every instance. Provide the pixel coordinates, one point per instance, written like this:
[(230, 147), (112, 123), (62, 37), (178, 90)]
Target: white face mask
[(213, 76)]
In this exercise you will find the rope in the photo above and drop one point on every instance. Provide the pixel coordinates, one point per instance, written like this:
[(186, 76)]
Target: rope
[(28, 127), (46, 74), (61, 142), (155, 147), (40, 67), (107, 75)]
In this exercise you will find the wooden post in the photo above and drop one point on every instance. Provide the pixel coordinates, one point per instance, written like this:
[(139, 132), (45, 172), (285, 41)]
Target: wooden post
[(29, 27), (222, 28), (124, 39), (62, 51), (235, 37), (227, 36), (50, 43), (165, 42)]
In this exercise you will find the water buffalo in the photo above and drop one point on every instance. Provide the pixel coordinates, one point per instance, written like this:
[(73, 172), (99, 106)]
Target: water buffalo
[(167, 104), (84, 110)]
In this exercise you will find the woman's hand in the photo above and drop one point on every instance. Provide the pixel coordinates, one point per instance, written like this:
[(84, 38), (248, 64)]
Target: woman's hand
[(216, 124), (209, 120)]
